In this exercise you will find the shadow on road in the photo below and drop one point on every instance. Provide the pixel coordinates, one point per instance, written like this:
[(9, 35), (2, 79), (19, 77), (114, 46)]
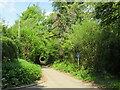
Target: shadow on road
[(30, 87), (38, 85)]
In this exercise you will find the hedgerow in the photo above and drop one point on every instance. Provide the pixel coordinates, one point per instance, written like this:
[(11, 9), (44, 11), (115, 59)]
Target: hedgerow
[(19, 72)]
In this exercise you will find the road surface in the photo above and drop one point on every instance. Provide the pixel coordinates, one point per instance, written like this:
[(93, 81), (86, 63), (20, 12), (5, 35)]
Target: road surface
[(56, 79)]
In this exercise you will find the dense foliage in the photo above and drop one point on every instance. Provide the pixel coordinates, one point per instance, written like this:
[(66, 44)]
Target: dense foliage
[(88, 29), (96, 41), (19, 72), (94, 35), (108, 51), (9, 46), (83, 40), (101, 80), (27, 46)]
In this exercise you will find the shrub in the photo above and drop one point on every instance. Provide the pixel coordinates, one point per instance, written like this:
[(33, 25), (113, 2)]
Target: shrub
[(9, 49), (19, 72), (19, 47), (106, 80)]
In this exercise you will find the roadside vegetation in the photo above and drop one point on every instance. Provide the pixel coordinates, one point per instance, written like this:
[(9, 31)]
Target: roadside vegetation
[(19, 72), (104, 80), (88, 29)]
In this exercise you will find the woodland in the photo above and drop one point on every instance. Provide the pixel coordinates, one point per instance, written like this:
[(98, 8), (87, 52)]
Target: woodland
[(91, 29)]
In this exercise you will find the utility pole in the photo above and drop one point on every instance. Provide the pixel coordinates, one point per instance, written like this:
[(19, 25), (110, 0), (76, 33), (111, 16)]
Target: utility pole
[(19, 29)]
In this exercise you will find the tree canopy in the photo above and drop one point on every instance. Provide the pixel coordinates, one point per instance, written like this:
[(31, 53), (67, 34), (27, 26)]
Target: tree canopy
[(90, 29)]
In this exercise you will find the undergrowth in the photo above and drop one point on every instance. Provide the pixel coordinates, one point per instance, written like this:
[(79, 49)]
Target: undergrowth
[(103, 80), (19, 72)]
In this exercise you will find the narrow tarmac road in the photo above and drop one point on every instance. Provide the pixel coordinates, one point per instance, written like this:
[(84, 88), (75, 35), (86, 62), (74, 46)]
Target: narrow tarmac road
[(56, 79)]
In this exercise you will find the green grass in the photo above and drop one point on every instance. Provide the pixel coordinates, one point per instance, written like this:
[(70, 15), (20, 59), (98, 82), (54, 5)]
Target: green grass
[(19, 72), (106, 80)]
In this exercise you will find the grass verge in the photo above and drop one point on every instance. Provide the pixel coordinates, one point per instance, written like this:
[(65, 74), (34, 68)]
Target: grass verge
[(106, 80), (19, 72)]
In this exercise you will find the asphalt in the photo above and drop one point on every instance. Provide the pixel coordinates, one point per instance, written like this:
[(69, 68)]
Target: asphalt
[(56, 79)]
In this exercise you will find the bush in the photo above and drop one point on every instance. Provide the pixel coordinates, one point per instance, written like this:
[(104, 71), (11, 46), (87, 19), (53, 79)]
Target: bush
[(65, 66), (9, 49), (19, 47), (19, 72), (106, 80)]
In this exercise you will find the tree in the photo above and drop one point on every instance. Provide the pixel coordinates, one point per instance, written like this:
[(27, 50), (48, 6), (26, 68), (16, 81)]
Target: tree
[(66, 14), (32, 33), (108, 48)]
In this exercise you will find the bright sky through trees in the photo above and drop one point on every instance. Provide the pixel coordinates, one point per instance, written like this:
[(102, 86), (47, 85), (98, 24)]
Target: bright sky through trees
[(9, 11)]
